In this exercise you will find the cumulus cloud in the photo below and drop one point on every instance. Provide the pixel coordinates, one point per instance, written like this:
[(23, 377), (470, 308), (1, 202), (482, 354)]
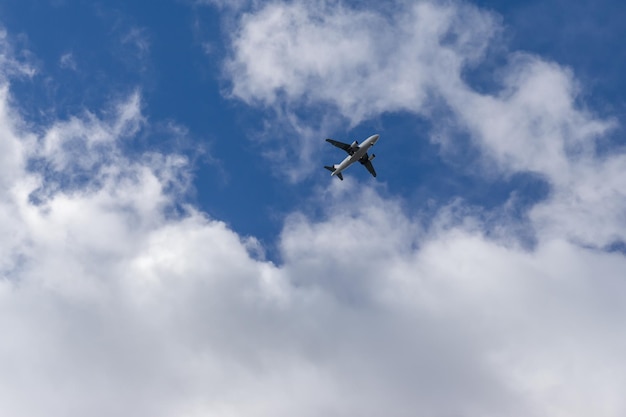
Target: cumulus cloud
[(361, 61), (294, 57), (116, 307), (117, 300), (365, 63), (335, 63)]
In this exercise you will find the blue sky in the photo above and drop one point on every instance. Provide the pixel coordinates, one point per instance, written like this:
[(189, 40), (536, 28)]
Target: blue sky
[(172, 245)]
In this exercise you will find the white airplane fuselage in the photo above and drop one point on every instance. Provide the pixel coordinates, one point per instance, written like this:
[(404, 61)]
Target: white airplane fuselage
[(350, 159)]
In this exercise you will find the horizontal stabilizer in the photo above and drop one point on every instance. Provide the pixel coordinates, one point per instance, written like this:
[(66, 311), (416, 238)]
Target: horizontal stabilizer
[(333, 169)]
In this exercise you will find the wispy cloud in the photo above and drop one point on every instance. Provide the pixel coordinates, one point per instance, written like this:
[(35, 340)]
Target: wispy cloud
[(359, 63), (67, 61), (362, 64), (139, 39), (12, 65)]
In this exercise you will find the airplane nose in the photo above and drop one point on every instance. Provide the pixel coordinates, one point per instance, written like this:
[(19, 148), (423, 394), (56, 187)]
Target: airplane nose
[(375, 137)]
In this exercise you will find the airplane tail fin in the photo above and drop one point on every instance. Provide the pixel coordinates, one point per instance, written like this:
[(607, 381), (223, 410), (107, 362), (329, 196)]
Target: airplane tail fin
[(333, 169)]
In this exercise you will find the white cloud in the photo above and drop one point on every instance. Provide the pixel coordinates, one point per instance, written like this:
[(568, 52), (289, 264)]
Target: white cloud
[(361, 63), (117, 308), (235, 5), (67, 61), (139, 39), (358, 63), (111, 303), (9, 64)]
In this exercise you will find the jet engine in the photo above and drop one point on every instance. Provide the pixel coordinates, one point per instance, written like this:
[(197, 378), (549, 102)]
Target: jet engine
[(354, 144), (372, 156)]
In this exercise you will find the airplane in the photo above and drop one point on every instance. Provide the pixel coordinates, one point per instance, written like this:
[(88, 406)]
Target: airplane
[(355, 153)]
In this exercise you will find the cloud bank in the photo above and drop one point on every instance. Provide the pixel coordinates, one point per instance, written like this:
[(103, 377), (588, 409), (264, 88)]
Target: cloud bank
[(115, 299)]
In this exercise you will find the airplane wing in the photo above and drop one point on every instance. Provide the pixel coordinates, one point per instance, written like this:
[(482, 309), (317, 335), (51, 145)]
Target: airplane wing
[(345, 146), (368, 164)]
